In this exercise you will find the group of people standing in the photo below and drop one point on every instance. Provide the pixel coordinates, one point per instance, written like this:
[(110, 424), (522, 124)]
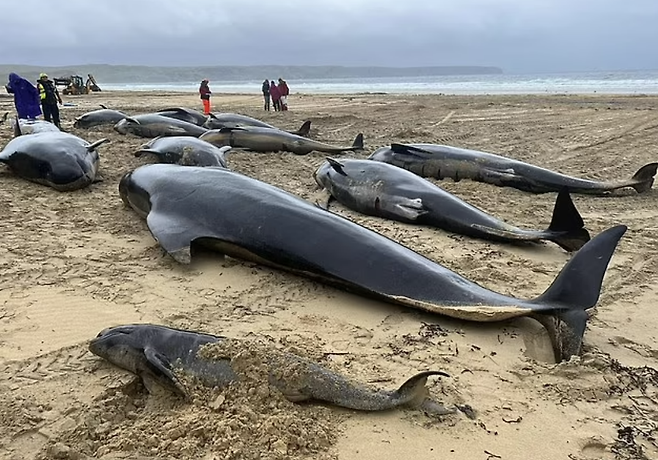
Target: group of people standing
[(278, 93), (31, 101)]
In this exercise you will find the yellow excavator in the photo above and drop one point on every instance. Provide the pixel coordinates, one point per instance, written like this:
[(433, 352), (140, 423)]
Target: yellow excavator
[(74, 84)]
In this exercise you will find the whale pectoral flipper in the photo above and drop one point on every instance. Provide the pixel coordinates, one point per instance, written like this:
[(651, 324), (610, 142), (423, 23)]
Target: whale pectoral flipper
[(223, 153), (410, 150), (405, 209), (323, 199), (174, 235), (228, 129), (159, 368), (176, 131), (95, 145), (411, 208), (337, 166)]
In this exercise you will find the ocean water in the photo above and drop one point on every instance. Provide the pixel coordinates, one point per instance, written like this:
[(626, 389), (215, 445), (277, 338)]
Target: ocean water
[(627, 82)]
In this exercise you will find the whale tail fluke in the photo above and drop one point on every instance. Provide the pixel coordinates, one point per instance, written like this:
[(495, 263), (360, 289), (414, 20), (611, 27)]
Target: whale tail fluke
[(358, 143), (576, 289), (642, 180), (567, 224)]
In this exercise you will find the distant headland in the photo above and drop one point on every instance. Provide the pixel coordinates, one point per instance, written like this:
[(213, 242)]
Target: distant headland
[(105, 73)]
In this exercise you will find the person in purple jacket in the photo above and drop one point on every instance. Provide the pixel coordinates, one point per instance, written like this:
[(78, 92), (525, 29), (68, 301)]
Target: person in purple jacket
[(26, 96), (275, 93)]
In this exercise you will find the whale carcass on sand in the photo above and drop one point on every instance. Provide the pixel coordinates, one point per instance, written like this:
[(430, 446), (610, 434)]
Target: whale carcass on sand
[(154, 125), (384, 190), (249, 219), (441, 161), (59, 160), (100, 117), (22, 126), (185, 151), (273, 140), (183, 113), (163, 355), (235, 120)]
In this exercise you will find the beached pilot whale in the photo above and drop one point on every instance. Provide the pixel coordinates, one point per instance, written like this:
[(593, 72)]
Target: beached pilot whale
[(257, 139), (183, 113), (383, 190), (59, 160), (155, 124), (248, 219), (32, 126), (185, 151), (100, 117), (441, 161), (163, 355), (236, 120)]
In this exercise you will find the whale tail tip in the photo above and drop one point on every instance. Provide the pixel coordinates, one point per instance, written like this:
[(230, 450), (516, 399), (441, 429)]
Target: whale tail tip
[(644, 177), (358, 142), (567, 224), (575, 289)]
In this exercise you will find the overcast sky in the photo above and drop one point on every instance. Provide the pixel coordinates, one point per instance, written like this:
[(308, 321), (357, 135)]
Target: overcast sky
[(521, 36)]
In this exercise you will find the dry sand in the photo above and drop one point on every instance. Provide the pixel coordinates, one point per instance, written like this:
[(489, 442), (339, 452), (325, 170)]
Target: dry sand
[(75, 263)]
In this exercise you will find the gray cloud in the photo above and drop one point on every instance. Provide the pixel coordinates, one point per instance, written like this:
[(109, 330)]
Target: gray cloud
[(518, 35)]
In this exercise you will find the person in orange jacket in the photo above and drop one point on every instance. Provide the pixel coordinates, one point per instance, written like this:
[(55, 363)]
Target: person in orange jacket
[(204, 94)]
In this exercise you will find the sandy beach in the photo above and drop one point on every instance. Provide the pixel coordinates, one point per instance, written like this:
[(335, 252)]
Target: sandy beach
[(75, 263)]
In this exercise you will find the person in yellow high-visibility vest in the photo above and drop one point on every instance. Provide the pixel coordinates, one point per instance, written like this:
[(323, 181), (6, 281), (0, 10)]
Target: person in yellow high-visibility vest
[(49, 99)]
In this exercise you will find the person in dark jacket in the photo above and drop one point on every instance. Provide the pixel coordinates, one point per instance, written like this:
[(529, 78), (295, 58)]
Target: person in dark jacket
[(26, 96), (204, 94), (284, 90), (266, 94), (276, 96), (49, 99)]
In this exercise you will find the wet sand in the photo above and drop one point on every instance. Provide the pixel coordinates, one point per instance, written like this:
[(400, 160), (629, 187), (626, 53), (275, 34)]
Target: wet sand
[(75, 263)]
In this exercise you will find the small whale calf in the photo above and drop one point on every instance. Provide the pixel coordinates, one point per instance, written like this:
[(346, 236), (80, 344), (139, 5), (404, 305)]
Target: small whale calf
[(163, 355)]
